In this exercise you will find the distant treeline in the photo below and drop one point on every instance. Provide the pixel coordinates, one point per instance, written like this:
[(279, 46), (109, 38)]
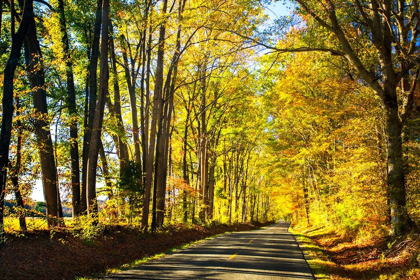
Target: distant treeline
[(37, 209)]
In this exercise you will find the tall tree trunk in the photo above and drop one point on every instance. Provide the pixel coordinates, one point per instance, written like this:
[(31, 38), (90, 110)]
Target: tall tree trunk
[(165, 127), (16, 170), (244, 188), (212, 182), (72, 107), (305, 195), (36, 75), (258, 206), (159, 162), (93, 86), (162, 165), (82, 207), (116, 109), (144, 86), (1, 15), (396, 184), (252, 203), (99, 114), (105, 170), (236, 183), (133, 105), (186, 177), (158, 90), (203, 151), (145, 114), (230, 203), (7, 101)]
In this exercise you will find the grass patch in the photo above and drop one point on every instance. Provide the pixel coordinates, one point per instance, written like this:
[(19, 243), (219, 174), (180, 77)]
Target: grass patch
[(316, 257)]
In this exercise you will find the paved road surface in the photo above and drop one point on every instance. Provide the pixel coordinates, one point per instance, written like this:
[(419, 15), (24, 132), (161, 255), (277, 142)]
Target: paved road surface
[(269, 253)]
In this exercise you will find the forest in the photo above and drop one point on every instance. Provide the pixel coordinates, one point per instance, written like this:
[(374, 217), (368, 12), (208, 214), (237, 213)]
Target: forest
[(152, 113)]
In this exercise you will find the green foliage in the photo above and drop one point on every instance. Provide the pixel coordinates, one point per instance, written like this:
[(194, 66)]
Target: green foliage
[(220, 193), (88, 228), (130, 178), (349, 217), (41, 207)]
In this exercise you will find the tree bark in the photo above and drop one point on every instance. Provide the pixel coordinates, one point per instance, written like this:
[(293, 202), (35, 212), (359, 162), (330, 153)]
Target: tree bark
[(133, 105), (158, 91), (396, 182), (7, 101), (165, 128), (105, 170), (36, 75), (16, 171), (203, 149), (72, 107), (305, 196), (212, 182), (116, 110), (99, 114), (186, 176), (145, 111), (93, 86)]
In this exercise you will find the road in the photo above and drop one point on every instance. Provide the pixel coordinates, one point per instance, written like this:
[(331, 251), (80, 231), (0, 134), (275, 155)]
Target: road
[(268, 253)]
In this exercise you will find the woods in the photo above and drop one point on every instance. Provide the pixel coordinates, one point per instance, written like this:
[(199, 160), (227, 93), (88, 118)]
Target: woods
[(153, 113), (137, 111)]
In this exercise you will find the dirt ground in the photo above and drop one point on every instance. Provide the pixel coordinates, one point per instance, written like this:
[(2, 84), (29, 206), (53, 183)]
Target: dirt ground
[(42, 255)]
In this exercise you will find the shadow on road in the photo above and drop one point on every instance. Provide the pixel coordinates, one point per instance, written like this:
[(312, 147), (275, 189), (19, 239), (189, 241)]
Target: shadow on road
[(271, 253)]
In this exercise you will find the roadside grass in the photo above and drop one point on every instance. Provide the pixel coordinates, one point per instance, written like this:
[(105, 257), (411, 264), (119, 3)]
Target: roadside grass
[(11, 224), (337, 257), (314, 254)]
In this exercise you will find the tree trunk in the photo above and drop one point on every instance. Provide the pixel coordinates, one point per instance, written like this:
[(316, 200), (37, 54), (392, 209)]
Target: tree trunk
[(16, 170), (305, 196), (145, 114), (396, 185), (116, 110), (72, 107), (99, 114), (133, 106), (203, 152), (105, 170), (186, 177), (1, 14), (7, 101), (212, 183), (155, 117), (93, 86), (36, 75), (165, 129)]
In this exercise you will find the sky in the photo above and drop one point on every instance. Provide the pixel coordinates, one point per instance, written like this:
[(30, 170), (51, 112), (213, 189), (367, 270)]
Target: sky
[(274, 10), (279, 8), (37, 192)]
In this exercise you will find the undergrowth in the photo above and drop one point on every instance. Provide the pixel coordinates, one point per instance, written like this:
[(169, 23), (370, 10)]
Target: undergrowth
[(340, 256)]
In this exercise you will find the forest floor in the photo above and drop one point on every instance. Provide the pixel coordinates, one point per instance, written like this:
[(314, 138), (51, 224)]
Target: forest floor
[(62, 254), (332, 256)]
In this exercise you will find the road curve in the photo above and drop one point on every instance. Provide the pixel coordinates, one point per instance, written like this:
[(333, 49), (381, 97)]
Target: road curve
[(268, 253)]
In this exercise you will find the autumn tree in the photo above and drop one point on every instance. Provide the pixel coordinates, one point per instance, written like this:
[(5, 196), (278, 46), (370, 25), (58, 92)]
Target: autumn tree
[(379, 40), (7, 100)]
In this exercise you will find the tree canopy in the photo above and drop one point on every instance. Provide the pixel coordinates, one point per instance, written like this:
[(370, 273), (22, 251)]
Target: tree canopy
[(174, 111)]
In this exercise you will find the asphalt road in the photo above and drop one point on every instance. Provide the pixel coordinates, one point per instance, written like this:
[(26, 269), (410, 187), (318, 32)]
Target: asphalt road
[(268, 253)]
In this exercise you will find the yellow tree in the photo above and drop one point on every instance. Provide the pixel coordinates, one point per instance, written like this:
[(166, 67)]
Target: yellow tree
[(328, 142)]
